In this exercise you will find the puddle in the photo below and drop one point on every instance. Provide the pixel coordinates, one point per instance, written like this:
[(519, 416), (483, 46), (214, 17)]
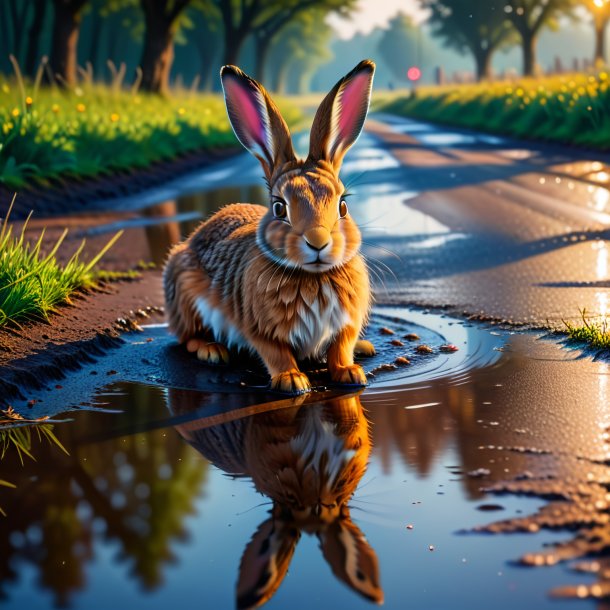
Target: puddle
[(171, 492)]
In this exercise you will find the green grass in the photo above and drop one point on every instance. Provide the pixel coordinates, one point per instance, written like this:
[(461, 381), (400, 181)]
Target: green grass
[(571, 109), (32, 285), (595, 332), (48, 134)]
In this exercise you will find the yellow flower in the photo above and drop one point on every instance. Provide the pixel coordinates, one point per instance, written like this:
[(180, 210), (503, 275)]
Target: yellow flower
[(81, 107), (28, 101), (55, 108), (5, 88), (181, 111), (114, 117), (603, 76), (519, 92), (561, 98), (543, 102), (15, 112)]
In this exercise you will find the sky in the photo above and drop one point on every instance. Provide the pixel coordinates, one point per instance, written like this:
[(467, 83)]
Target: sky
[(373, 13)]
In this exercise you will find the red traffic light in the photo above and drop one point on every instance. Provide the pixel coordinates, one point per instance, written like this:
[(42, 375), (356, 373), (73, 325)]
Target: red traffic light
[(414, 73)]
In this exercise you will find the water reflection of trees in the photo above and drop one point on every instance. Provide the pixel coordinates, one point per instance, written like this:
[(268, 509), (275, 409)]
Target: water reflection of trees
[(135, 491)]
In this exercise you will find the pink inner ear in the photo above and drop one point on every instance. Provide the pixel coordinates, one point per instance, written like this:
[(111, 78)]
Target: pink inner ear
[(246, 111), (354, 101)]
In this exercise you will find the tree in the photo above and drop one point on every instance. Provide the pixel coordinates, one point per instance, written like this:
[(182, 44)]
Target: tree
[(600, 9), (66, 24), (400, 44), (298, 50), (529, 17), (471, 25), (32, 58), (279, 14), (161, 23), (263, 19)]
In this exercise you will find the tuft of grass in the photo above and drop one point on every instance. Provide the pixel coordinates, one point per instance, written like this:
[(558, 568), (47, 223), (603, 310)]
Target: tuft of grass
[(593, 331), (32, 285), (16, 434), (570, 108), (48, 134)]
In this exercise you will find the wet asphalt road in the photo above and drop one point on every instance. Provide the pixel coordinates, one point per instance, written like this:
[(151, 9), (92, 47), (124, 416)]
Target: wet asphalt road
[(509, 230)]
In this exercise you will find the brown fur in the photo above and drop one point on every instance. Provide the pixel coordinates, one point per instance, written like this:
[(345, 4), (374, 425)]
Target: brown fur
[(289, 288), (309, 459)]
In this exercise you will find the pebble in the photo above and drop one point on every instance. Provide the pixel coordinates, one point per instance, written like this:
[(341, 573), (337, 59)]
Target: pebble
[(402, 361), (386, 331), (411, 337), (424, 349), (449, 348), (397, 342)]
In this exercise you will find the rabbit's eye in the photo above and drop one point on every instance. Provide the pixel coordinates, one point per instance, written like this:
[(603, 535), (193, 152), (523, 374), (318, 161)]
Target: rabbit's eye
[(279, 209), (342, 209)]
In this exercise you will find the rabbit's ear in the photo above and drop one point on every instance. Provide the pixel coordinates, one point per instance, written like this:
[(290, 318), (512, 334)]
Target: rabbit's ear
[(265, 562), (255, 119), (352, 558), (340, 117)]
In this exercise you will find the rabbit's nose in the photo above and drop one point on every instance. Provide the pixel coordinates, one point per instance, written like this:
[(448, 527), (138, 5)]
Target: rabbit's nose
[(317, 239)]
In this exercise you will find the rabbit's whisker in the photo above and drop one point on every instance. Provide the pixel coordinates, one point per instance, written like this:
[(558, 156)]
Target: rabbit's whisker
[(372, 245)]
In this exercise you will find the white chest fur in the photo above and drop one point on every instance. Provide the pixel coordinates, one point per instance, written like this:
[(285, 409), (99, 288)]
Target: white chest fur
[(316, 323)]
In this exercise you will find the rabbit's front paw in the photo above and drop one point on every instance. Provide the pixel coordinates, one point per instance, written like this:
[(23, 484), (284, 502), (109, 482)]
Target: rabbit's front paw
[(352, 374), (291, 382), (210, 352)]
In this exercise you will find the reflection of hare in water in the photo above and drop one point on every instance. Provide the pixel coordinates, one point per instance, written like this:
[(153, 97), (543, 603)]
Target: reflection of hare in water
[(309, 460)]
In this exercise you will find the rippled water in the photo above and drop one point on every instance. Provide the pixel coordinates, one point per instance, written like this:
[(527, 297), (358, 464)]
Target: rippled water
[(201, 498)]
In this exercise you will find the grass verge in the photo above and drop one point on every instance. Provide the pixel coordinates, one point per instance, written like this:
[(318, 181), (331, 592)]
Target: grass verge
[(32, 285), (595, 332), (48, 134), (570, 109)]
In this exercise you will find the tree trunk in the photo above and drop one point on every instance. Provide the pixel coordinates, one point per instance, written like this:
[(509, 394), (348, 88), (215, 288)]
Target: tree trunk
[(600, 43), (263, 44), (483, 60), (281, 81), (158, 53), (529, 54), (32, 58), (64, 42), (233, 45)]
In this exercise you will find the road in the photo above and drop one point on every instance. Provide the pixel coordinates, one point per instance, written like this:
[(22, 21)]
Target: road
[(485, 225)]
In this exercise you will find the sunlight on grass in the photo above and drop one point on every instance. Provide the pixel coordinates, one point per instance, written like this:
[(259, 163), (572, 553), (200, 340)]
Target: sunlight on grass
[(593, 331), (32, 285), (49, 134), (567, 108), (17, 433)]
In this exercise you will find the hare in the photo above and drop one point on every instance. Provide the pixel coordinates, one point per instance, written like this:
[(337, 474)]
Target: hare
[(286, 282), (309, 460)]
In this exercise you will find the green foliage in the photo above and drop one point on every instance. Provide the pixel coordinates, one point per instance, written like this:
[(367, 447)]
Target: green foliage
[(400, 44), (32, 285), (570, 108), (51, 134), (469, 25), (595, 332)]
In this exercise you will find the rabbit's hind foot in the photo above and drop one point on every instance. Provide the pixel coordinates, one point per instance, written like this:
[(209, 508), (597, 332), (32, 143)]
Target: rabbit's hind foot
[(291, 382), (208, 351)]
